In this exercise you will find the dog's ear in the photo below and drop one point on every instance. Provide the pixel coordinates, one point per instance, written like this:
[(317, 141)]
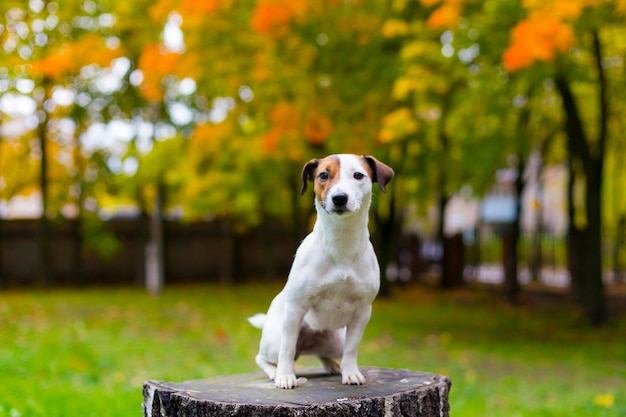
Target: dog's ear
[(308, 173), (382, 173)]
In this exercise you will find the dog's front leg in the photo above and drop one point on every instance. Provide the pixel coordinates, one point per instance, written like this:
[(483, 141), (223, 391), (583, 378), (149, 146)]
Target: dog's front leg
[(350, 373), (292, 321)]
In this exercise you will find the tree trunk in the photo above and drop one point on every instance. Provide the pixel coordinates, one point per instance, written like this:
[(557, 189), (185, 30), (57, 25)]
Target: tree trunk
[(575, 244), (2, 278), (388, 393), (155, 253), (511, 287), (536, 254), (3, 283), (589, 287), (44, 221), (452, 262), (594, 298), (155, 248), (388, 231), (620, 238), (510, 240)]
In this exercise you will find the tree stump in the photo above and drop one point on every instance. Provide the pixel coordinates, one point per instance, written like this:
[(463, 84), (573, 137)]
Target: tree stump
[(388, 393)]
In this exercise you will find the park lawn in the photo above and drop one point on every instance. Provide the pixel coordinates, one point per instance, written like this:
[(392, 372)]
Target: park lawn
[(87, 352)]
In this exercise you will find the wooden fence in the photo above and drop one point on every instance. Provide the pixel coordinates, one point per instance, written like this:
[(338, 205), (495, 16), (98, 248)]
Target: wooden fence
[(194, 252)]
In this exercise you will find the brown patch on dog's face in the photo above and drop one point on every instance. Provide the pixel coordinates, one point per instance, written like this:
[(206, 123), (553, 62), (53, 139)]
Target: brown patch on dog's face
[(326, 175), (369, 170), (378, 172)]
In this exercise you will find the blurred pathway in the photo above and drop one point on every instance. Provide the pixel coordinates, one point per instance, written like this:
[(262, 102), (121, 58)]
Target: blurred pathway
[(552, 277)]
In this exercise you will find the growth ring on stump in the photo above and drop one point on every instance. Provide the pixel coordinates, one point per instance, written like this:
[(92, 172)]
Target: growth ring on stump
[(388, 392)]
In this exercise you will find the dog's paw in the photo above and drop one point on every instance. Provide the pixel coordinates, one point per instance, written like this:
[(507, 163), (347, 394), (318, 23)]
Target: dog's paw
[(353, 378), (286, 381)]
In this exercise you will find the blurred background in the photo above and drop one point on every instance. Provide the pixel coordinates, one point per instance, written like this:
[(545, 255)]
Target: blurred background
[(155, 142)]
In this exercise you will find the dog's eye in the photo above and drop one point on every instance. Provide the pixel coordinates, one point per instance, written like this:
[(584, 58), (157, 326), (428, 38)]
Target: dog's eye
[(358, 175), (323, 176)]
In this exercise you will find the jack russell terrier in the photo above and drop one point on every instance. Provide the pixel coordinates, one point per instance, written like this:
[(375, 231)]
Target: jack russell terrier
[(327, 300)]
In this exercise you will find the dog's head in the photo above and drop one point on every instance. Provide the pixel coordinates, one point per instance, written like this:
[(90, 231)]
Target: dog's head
[(342, 183)]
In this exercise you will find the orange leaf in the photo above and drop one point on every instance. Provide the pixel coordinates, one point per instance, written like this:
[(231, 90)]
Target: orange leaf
[(72, 56), (273, 17), (209, 139), (536, 39), (545, 31), (199, 6), (285, 116), (516, 57), (317, 129), (160, 10), (54, 65), (270, 17), (155, 63), (445, 17), (270, 141)]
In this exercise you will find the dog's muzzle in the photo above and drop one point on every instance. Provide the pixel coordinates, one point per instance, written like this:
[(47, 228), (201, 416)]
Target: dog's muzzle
[(340, 203)]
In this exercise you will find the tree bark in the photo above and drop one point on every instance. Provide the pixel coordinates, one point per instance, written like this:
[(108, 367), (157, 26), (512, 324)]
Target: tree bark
[(453, 262), (155, 247), (2, 278), (511, 287), (510, 240), (386, 231), (155, 253), (452, 251), (44, 221), (388, 393), (620, 239), (589, 290)]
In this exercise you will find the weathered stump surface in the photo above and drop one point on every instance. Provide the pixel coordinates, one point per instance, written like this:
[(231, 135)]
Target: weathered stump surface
[(388, 392)]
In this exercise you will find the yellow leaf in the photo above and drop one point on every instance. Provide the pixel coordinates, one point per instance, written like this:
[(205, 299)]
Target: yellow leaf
[(160, 10), (397, 125), (395, 27), (418, 49), (402, 87), (428, 3)]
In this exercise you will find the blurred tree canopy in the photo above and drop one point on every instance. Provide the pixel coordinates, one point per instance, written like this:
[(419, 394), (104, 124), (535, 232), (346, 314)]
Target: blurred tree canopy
[(211, 107)]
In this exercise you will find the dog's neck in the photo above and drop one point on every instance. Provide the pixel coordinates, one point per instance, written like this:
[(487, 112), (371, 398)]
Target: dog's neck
[(343, 236)]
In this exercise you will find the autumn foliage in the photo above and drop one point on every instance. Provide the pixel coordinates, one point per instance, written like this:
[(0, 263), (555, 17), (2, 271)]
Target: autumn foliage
[(446, 15), (285, 124), (155, 63), (72, 56), (546, 31), (273, 17)]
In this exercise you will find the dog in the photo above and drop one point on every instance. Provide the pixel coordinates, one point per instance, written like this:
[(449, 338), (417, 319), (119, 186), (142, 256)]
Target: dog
[(327, 300)]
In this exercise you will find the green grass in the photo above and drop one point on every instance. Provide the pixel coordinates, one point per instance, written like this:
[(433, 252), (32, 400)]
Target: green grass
[(87, 352)]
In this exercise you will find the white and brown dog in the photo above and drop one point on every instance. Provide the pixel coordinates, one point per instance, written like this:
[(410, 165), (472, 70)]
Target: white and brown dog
[(327, 300)]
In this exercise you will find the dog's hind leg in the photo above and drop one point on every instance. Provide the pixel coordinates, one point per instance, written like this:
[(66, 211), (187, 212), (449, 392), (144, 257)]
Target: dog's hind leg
[(331, 365), (267, 367)]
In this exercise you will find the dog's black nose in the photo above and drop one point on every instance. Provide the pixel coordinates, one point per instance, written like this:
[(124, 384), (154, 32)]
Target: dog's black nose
[(340, 200)]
